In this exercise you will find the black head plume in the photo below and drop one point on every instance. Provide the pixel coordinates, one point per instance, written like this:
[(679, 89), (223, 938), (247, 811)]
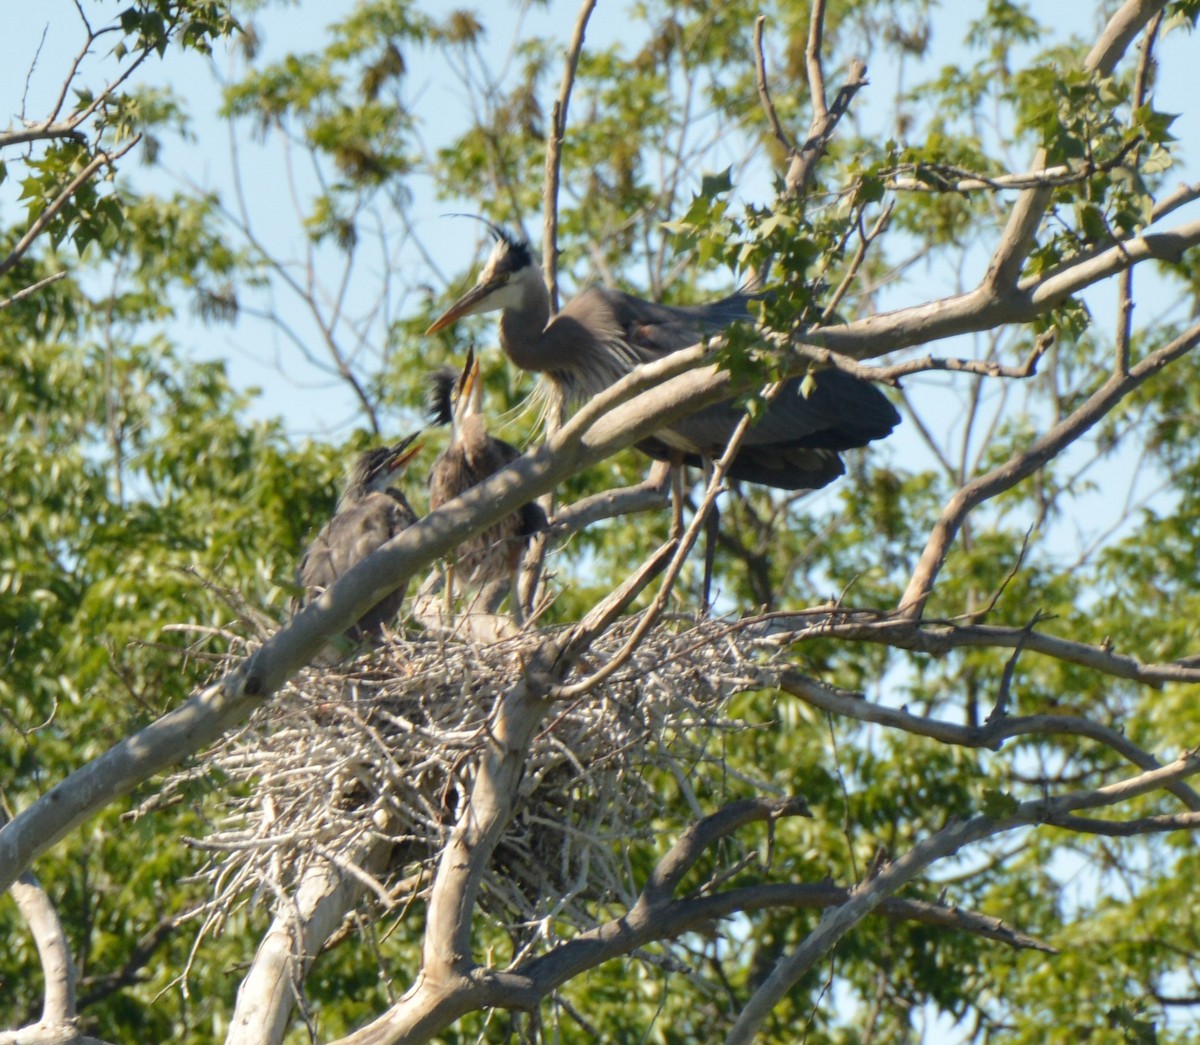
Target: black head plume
[(518, 248), (439, 395)]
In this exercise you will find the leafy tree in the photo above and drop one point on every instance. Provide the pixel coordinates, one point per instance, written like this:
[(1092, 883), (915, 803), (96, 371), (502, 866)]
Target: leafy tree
[(930, 757)]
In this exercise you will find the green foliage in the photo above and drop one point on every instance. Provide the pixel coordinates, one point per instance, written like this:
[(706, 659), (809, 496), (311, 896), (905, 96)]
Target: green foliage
[(136, 477)]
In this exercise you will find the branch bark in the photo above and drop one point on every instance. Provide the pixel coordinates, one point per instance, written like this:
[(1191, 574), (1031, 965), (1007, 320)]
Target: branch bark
[(269, 990)]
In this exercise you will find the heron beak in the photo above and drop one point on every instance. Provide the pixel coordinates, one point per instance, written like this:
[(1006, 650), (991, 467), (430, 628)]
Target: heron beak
[(472, 302), (403, 452), (470, 374)]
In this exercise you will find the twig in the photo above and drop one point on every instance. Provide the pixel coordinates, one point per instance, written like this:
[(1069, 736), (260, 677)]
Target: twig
[(33, 288), (764, 91), (865, 239), (554, 141)]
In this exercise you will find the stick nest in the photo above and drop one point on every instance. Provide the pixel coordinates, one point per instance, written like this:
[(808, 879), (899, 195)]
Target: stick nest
[(384, 749)]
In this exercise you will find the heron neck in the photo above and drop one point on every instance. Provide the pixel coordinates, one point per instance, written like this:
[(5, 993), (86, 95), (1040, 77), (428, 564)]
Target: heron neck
[(523, 330)]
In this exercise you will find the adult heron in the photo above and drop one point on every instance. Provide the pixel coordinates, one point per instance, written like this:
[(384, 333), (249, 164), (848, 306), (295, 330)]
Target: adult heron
[(369, 513), (600, 335), (487, 562)]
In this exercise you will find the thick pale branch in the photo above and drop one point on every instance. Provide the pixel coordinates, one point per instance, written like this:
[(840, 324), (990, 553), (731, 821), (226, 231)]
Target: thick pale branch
[(58, 970), (268, 991), (985, 308)]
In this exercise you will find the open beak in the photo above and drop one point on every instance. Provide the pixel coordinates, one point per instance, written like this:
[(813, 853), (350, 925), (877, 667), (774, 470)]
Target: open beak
[(471, 302), (403, 452), (470, 375)]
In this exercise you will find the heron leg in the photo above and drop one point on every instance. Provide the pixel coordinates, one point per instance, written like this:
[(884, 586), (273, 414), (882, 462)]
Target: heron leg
[(712, 530), (676, 497), (449, 592)]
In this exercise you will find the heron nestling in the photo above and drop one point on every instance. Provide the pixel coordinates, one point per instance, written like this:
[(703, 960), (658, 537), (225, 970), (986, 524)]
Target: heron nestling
[(486, 563), (600, 335), (369, 513)]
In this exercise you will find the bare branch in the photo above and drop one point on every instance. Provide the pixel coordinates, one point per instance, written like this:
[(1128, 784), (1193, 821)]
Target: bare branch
[(891, 375), (32, 289), (651, 494), (58, 1006), (991, 735), (812, 63), (1027, 461), (764, 90), (554, 140), (867, 896), (804, 162)]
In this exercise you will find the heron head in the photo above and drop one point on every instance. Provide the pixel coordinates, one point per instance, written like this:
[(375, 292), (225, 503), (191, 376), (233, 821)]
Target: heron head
[(503, 283), (375, 468)]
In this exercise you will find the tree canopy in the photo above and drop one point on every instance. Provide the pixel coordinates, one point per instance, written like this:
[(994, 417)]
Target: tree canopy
[(921, 774)]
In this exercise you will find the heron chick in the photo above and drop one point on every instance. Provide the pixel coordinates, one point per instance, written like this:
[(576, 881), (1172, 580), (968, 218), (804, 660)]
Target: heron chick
[(369, 513), (601, 335), (488, 562)]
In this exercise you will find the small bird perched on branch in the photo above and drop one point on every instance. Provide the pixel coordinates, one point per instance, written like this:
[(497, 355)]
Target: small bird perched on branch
[(487, 562), (601, 335), (369, 513)]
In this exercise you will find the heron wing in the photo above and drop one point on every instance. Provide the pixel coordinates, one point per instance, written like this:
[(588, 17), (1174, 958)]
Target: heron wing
[(840, 412), (348, 538)]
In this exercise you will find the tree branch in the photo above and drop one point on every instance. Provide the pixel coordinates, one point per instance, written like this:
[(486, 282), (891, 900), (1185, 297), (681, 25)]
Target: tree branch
[(1015, 242), (866, 897), (270, 988), (554, 142), (990, 735), (58, 1005), (1026, 462), (101, 159)]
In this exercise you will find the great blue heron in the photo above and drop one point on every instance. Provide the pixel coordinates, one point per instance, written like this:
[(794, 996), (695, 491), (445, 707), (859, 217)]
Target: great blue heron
[(487, 562), (601, 334), (369, 513)]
